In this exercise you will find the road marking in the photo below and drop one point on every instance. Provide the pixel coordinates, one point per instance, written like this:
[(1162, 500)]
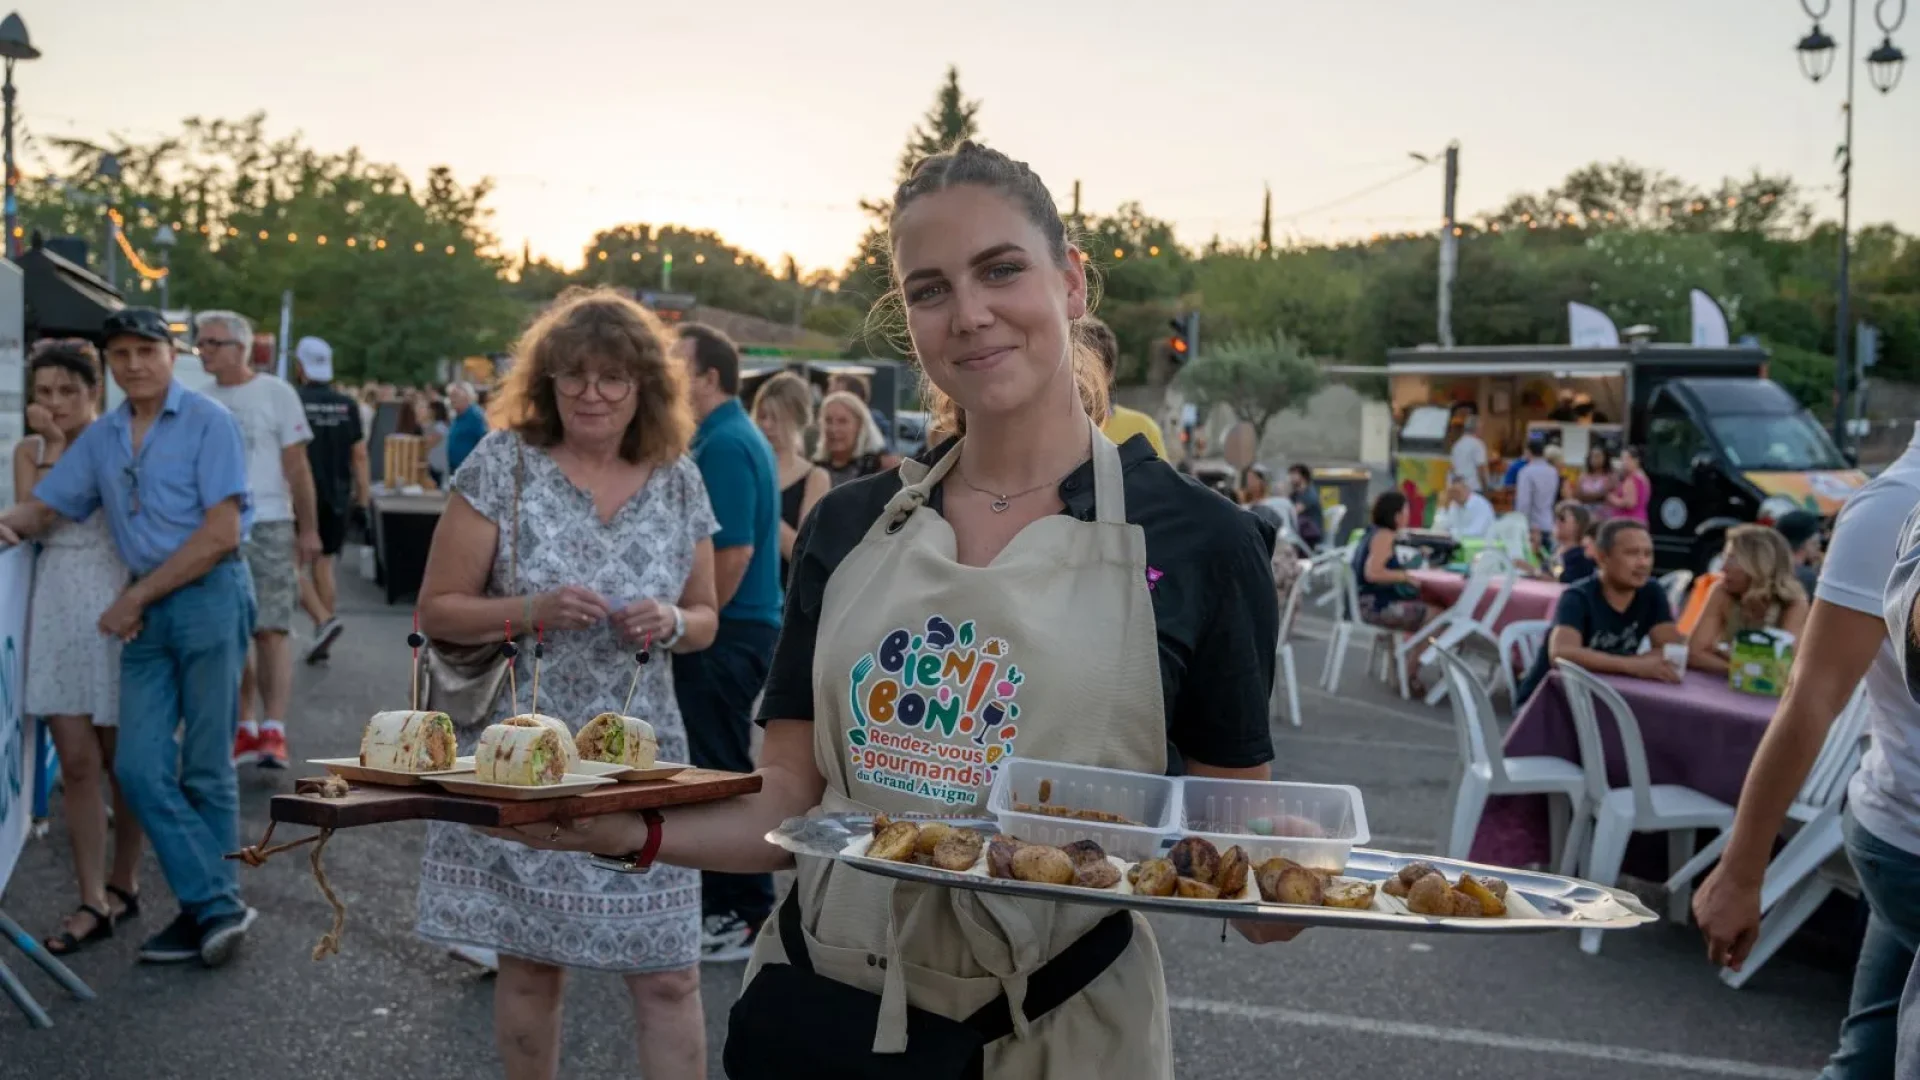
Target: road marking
[(1288, 734), (1496, 1040), (1390, 713)]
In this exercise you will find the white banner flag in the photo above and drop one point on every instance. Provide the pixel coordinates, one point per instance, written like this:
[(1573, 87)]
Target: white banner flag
[(17, 768), (1709, 322), (1589, 327)]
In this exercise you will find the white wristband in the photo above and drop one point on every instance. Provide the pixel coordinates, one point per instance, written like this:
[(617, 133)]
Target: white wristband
[(679, 627)]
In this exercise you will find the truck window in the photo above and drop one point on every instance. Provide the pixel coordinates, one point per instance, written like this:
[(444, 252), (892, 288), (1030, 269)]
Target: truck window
[(1784, 442), (1672, 443)]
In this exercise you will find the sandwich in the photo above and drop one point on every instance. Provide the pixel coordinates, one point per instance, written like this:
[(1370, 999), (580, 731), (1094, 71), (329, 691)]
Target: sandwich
[(559, 727), (408, 741), (524, 756), (618, 740)]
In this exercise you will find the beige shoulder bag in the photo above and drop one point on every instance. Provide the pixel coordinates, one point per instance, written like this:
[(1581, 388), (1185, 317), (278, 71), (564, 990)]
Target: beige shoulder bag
[(464, 681)]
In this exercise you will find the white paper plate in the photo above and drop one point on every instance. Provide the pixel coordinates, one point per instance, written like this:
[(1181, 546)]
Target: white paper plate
[(466, 783), (349, 768), (662, 770)]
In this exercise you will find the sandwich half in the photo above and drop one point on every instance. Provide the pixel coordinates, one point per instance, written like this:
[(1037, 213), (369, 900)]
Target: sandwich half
[(618, 740), (409, 742), (524, 756)]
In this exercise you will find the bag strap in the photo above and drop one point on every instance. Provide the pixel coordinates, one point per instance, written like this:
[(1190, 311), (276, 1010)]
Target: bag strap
[(513, 560), (1058, 980)]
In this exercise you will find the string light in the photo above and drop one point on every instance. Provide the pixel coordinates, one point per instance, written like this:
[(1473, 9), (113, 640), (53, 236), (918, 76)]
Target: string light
[(602, 256), (380, 244), (635, 257), (351, 242), (449, 249), (149, 273), (419, 247), (1119, 253), (263, 234), (293, 238), (700, 258), (739, 260), (322, 241), (1154, 250)]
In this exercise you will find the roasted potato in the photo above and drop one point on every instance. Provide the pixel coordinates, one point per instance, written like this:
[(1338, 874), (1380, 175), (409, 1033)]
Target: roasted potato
[(1155, 877), (1189, 889), (958, 850), (1431, 895), (1466, 907), (896, 842), (1400, 883), (1096, 875), (1357, 895), (1267, 874), (1491, 905), (931, 834), (1231, 877), (880, 823), (1085, 853), (1283, 881), (1000, 852), (1195, 858), (1046, 865)]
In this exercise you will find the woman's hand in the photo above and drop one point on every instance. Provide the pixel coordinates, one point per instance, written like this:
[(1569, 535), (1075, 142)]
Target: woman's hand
[(1266, 933), (644, 619), (568, 608), (607, 834), (40, 422)]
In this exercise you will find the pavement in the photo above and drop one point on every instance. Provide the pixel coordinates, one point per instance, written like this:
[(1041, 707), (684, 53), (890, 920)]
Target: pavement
[(1394, 1006)]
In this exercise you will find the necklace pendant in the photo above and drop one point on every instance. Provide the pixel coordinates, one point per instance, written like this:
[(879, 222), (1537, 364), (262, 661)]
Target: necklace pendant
[(999, 506)]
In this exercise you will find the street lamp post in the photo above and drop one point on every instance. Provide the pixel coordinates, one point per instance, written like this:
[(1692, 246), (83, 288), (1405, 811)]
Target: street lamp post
[(1816, 54), (164, 239), (14, 45)]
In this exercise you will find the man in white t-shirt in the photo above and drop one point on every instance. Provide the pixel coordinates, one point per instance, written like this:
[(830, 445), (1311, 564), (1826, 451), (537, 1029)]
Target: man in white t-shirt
[(1470, 455), (285, 534), (1467, 513), (1845, 640)]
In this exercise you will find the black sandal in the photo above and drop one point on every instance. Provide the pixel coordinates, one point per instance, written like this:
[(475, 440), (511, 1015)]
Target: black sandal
[(66, 944), (130, 903)]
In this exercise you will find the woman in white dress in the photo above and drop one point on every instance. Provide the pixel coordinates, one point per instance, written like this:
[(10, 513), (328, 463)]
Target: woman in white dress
[(73, 670)]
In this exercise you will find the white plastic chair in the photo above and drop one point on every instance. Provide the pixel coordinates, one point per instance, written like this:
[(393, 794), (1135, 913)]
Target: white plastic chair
[(1675, 584), (1461, 623), (1348, 626), (1485, 770), (1286, 674), (1321, 570), (1521, 642), (1640, 807), (1514, 535), (1331, 520)]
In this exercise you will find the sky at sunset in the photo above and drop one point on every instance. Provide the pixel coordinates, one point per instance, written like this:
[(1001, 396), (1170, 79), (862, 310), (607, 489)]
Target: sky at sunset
[(768, 121)]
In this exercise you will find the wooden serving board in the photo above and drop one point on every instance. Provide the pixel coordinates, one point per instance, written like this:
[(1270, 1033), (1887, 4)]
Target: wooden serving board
[(375, 804)]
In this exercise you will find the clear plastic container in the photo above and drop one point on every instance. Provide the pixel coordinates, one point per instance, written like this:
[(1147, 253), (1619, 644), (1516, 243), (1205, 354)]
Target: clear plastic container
[(1315, 825), (1151, 800)]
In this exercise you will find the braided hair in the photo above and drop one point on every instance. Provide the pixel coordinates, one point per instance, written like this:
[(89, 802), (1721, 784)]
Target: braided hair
[(969, 162)]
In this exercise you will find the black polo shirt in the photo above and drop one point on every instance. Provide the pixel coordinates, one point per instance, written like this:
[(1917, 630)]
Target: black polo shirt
[(1213, 601)]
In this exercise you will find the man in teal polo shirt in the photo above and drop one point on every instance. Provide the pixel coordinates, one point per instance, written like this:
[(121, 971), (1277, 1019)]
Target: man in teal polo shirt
[(717, 686)]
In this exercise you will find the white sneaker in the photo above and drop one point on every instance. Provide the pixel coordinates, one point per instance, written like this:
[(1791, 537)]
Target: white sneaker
[(726, 939), (482, 958), (324, 636)]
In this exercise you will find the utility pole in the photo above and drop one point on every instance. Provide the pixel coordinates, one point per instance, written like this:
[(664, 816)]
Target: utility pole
[(1266, 224), (1076, 200), (1449, 248), (1845, 285)]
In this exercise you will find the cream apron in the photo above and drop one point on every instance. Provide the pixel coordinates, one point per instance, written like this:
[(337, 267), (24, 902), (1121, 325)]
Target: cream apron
[(927, 675)]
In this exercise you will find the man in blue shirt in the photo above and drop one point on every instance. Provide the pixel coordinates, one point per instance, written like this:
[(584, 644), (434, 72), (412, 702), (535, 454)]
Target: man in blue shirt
[(717, 686), (469, 424), (169, 468)]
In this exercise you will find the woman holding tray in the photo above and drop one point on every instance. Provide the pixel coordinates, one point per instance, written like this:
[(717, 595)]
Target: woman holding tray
[(1056, 596), (591, 484)]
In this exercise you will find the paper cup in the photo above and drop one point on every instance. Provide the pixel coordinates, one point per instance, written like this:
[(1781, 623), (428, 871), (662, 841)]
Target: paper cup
[(1676, 655)]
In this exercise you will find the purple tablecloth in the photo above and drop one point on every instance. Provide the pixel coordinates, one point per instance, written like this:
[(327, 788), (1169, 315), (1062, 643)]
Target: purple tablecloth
[(1531, 598), (1698, 733)]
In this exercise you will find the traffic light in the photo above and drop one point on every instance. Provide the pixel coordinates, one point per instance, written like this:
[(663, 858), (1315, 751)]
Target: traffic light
[(1184, 343)]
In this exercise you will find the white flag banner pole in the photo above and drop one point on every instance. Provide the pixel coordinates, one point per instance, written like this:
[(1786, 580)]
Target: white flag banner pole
[(286, 327), (1709, 321), (1590, 328)]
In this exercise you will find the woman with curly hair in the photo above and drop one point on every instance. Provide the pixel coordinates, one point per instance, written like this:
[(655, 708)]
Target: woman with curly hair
[(581, 516)]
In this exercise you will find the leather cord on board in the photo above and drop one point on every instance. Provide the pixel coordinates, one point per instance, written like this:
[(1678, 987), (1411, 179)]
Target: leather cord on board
[(258, 854)]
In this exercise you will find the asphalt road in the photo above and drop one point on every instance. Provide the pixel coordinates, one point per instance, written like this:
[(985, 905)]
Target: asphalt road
[(1388, 1005)]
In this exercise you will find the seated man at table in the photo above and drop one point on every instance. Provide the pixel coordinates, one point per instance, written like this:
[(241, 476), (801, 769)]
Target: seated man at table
[(1600, 622), (1465, 513)]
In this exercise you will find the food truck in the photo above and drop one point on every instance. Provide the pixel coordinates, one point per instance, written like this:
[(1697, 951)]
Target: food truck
[(1721, 442)]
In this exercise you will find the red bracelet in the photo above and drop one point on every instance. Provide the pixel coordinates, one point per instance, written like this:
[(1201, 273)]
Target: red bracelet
[(638, 862)]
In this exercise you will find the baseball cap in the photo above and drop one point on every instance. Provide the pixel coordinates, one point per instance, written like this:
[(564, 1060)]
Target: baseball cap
[(1798, 527), (316, 359), (139, 322)]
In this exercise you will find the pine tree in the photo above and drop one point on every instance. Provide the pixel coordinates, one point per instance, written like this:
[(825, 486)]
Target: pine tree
[(951, 119)]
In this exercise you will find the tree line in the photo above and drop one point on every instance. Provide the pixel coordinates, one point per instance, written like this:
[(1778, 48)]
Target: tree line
[(410, 272)]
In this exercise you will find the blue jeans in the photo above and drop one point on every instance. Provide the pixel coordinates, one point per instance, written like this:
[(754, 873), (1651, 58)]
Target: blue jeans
[(183, 671), (1890, 879)]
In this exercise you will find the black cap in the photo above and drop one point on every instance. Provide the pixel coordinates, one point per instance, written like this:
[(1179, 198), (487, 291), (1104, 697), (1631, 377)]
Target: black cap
[(1798, 527), (140, 322)]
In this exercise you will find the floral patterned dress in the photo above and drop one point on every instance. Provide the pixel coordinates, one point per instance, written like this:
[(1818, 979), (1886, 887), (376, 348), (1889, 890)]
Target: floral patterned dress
[(553, 906)]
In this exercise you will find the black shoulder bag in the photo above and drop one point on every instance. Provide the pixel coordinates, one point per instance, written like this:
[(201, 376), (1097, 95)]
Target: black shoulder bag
[(793, 1023)]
